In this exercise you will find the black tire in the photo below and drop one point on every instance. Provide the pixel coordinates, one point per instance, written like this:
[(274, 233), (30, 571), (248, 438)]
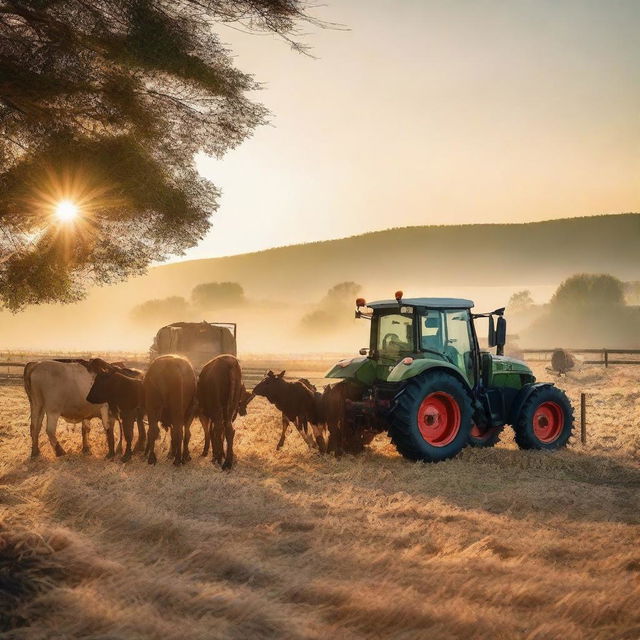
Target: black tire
[(405, 430), (489, 438), (545, 420)]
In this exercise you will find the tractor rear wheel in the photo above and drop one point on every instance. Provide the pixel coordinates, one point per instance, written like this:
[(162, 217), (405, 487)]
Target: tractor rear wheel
[(431, 419), (545, 420), (487, 438)]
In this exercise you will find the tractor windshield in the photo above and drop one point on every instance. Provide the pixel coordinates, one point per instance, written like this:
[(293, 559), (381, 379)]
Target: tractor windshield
[(395, 334)]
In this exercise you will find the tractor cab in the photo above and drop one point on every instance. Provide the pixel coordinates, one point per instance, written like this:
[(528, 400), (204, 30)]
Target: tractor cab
[(425, 379)]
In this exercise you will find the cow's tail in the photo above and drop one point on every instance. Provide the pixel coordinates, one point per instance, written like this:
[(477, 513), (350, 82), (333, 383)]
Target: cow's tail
[(26, 378), (230, 408)]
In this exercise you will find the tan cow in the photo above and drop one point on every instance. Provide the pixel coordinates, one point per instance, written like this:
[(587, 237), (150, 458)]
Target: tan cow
[(59, 389)]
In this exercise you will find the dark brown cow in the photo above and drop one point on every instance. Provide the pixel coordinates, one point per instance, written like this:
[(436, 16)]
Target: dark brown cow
[(299, 403), (170, 398), (122, 389), (342, 437), (221, 396)]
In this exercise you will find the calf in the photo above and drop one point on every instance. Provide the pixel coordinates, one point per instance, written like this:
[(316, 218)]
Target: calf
[(221, 396), (298, 402), (342, 436), (122, 389), (170, 398), (59, 389)]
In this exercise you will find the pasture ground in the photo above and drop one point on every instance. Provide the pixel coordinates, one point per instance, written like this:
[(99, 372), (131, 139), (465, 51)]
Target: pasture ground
[(496, 544)]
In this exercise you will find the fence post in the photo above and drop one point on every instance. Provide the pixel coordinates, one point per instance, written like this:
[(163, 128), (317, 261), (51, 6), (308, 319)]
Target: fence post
[(606, 358), (583, 418)]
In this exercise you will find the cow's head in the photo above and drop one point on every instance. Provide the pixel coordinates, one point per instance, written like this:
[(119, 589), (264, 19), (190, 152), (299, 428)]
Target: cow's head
[(245, 399), (270, 383), (100, 391), (98, 365)]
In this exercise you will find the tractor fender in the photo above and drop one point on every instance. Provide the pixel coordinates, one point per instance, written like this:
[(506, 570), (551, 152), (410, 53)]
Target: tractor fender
[(403, 372), (522, 397)]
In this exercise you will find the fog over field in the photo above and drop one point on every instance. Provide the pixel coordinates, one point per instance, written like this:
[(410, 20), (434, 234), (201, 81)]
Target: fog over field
[(300, 298)]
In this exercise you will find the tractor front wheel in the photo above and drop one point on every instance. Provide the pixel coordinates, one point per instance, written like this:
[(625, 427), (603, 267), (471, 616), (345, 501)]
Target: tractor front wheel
[(545, 420), (431, 419)]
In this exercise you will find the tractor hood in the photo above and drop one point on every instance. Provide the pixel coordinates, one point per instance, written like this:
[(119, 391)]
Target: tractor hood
[(504, 364)]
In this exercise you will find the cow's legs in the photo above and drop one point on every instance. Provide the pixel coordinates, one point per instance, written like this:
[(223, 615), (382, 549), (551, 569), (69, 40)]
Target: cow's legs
[(152, 436), (142, 436), (217, 434), (52, 423), (186, 456), (176, 443), (301, 425), (319, 437), (37, 415), (127, 427), (108, 422), (86, 428), (118, 448), (283, 435), (339, 437), (229, 433), (206, 428)]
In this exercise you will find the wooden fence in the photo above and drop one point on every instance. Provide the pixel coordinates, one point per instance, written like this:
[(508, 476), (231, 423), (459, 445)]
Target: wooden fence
[(544, 355), (12, 365)]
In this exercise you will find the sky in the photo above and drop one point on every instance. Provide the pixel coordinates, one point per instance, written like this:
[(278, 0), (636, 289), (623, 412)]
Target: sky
[(434, 112)]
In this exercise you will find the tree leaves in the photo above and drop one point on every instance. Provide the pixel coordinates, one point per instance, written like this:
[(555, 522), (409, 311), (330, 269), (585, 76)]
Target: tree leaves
[(106, 103)]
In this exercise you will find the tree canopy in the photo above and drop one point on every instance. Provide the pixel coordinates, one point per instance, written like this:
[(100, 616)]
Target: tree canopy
[(585, 290), (105, 103)]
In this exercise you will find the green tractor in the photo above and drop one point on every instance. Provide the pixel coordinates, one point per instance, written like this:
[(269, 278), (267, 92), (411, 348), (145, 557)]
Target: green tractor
[(425, 381)]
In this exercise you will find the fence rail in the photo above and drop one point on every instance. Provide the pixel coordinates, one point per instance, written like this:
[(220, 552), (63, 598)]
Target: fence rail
[(544, 355), (12, 365)]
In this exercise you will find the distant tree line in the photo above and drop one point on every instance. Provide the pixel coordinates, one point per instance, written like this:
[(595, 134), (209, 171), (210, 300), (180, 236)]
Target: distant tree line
[(586, 310), (208, 296)]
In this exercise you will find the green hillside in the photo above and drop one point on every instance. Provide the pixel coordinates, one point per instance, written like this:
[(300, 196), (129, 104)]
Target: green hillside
[(471, 255), (486, 263)]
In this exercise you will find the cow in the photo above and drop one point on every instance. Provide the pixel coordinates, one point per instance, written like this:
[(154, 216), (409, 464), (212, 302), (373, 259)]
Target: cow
[(221, 396), (342, 436), (59, 389), (170, 398), (122, 389), (299, 403)]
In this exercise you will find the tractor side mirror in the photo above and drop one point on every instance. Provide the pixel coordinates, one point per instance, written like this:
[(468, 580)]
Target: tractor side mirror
[(492, 332), (501, 335)]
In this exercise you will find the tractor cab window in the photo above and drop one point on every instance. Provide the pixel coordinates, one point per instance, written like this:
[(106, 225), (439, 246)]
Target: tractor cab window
[(457, 348), (395, 334), (432, 331)]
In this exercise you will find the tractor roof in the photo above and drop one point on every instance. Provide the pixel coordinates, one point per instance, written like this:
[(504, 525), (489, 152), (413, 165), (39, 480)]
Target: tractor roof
[(431, 303)]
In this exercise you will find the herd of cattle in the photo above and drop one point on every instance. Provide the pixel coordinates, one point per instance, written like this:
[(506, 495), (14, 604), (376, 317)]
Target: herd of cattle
[(171, 395)]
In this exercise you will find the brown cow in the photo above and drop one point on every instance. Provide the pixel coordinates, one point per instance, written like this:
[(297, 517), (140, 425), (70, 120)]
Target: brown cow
[(220, 394), (298, 402), (170, 398), (122, 389)]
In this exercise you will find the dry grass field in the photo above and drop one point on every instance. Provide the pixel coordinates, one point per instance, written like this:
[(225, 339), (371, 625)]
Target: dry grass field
[(496, 544)]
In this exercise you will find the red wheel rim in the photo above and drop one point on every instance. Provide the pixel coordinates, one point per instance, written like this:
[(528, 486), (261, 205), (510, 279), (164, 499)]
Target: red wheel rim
[(548, 421), (439, 418)]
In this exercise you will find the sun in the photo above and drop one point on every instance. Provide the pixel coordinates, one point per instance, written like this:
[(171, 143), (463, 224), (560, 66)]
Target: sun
[(66, 210)]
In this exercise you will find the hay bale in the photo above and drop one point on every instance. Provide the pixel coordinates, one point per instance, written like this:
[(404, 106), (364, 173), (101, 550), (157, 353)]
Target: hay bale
[(562, 361)]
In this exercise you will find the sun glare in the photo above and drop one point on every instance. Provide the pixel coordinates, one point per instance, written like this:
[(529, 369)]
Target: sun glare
[(66, 210)]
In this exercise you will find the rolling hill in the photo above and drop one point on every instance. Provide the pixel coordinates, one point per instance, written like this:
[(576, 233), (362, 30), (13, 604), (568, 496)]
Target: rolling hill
[(428, 260), (471, 255)]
